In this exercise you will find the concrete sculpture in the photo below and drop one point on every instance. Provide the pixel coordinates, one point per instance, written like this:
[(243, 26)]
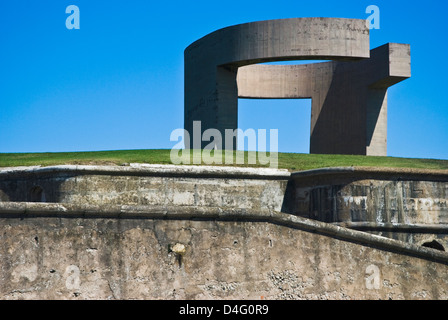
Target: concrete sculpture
[(349, 93)]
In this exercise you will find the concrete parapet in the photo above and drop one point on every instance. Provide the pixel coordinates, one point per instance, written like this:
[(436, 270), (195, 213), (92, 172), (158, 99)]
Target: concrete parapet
[(140, 184), (405, 204)]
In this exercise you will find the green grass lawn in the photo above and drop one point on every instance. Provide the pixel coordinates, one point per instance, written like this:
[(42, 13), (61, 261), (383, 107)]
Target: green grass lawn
[(290, 161)]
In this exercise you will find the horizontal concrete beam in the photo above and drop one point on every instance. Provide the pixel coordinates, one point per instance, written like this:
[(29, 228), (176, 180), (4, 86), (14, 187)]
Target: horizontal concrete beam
[(276, 81), (388, 65), (282, 39)]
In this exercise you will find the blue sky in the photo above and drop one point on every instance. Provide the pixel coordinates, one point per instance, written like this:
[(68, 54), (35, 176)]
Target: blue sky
[(117, 82)]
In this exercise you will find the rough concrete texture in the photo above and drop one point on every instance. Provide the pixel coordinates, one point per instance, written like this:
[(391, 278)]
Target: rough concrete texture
[(349, 98), (78, 258), (409, 205), (103, 238), (148, 185)]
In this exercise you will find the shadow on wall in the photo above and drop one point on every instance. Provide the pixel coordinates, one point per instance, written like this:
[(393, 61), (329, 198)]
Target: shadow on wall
[(434, 245), (31, 189), (36, 194)]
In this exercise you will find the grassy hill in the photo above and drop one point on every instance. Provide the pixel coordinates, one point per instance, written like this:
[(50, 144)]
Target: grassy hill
[(290, 161)]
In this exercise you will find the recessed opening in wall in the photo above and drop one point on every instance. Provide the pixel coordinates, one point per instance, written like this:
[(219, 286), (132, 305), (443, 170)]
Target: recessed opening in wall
[(291, 117), (434, 244), (37, 194)]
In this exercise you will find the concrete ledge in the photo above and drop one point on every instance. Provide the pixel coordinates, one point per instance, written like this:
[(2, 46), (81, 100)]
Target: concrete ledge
[(153, 170), (395, 227), (372, 172), (27, 210)]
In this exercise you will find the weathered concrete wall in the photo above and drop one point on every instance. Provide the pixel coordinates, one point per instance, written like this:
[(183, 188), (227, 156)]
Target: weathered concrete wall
[(169, 232), (148, 185), (55, 256), (409, 205)]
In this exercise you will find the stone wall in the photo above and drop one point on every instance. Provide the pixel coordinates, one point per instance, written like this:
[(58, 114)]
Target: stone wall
[(147, 185), (66, 255), (168, 232), (408, 205)]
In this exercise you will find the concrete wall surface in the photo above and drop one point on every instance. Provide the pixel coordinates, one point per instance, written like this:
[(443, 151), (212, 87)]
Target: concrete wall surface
[(62, 253), (404, 204), (192, 232), (140, 184)]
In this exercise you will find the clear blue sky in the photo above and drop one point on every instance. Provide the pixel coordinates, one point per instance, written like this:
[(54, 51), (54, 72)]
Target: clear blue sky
[(117, 82)]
